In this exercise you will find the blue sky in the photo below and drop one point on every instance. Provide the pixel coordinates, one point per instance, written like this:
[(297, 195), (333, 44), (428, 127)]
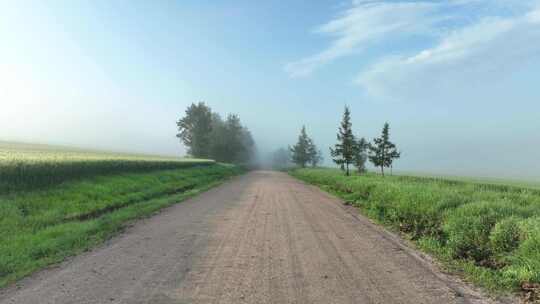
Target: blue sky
[(457, 79)]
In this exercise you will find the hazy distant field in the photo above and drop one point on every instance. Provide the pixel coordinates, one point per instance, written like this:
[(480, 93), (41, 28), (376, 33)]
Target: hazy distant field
[(56, 202), (26, 166), (12, 151), (517, 182), (489, 231)]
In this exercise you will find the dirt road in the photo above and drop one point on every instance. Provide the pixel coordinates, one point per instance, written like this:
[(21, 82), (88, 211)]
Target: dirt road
[(260, 238)]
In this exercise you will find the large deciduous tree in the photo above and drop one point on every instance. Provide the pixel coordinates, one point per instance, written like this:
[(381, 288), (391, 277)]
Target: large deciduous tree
[(234, 138), (207, 135), (383, 152), (344, 150), (230, 141), (195, 128)]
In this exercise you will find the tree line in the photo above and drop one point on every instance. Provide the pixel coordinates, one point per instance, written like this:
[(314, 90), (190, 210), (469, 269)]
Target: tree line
[(206, 135), (349, 151)]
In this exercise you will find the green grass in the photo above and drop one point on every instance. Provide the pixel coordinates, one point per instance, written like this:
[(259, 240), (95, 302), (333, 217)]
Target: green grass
[(533, 183), (27, 166), (92, 197), (488, 232)]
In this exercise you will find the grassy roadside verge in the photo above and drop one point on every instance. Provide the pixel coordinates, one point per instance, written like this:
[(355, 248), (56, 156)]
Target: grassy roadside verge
[(42, 227), (489, 233)]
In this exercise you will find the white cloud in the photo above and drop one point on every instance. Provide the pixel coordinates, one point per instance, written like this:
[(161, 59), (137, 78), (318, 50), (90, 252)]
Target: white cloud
[(365, 23), (470, 40), (487, 50), (534, 16)]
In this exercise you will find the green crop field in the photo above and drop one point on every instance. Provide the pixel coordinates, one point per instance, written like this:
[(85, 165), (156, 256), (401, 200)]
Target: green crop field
[(489, 232), (25, 166), (532, 183), (57, 202)]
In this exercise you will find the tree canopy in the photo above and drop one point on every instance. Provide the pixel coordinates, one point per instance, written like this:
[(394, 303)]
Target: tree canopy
[(344, 151), (207, 135), (360, 156), (300, 151), (314, 155), (383, 152), (195, 128)]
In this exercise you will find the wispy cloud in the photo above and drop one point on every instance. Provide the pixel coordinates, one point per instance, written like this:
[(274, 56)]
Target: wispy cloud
[(364, 24), (468, 37), (484, 51)]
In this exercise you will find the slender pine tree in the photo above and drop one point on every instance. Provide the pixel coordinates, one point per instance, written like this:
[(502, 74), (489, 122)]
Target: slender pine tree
[(345, 149), (315, 155), (300, 151), (383, 152)]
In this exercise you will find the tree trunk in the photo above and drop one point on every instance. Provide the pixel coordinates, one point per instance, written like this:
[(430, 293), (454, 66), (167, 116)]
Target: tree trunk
[(382, 170), (347, 166)]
